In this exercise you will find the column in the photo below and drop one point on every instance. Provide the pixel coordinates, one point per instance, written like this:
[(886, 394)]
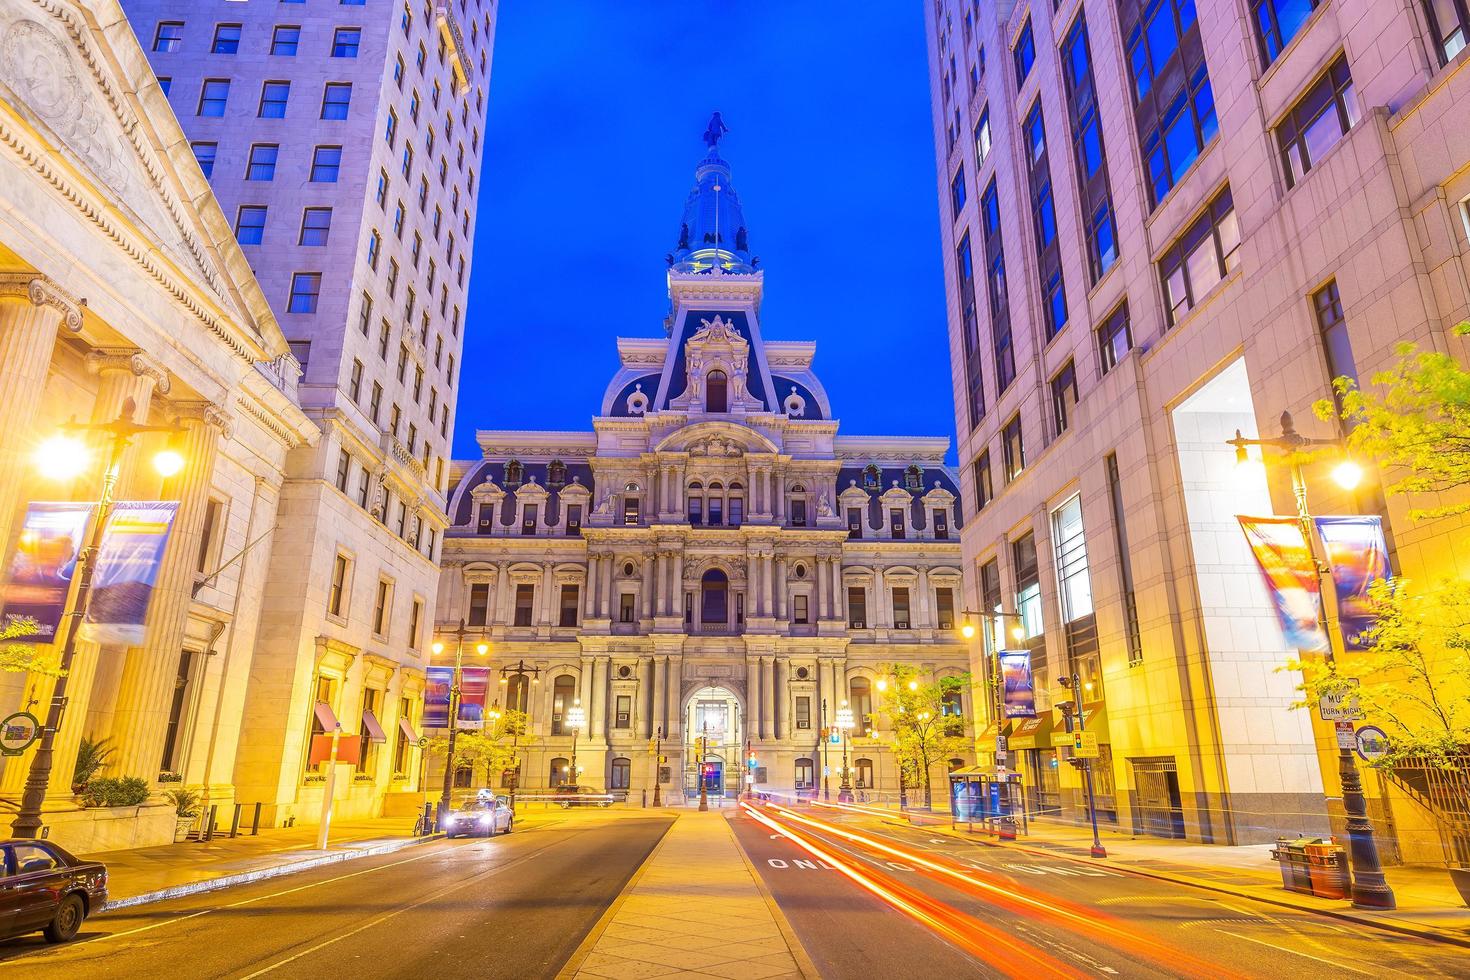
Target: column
[(150, 671), (549, 604), (783, 699), (676, 586), (752, 693), (824, 586), (505, 595), (645, 698), (597, 713), (920, 615), (589, 589), (768, 697), (881, 614), (781, 588), (605, 586), (839, 597), (584, 693), (31, 308)]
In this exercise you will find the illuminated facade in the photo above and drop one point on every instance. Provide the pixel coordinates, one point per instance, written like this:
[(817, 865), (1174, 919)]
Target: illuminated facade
[(1163, 222), (712, 559)]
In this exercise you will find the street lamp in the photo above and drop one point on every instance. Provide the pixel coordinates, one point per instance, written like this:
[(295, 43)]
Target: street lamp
[(703, 757), (968, 629), (844, 724), (454, 694), (576, 719), (1370, 888), (506, 673), (63, 457)]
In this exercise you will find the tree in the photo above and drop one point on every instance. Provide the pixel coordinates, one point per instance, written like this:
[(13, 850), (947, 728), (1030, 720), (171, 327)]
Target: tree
[(1414, 419), (924, 730), (493, 747), (18, 657)]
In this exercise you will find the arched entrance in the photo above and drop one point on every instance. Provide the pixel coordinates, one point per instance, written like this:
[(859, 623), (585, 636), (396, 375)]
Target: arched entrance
[(714, 742)]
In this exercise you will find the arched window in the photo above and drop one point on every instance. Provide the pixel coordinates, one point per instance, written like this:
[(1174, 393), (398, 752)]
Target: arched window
[(863, 773), (871, 477), (556, 474), (518, 693), (622, 774), (631, 504), (560, 773), (716, 388), (951, 705), (714, 589), (913, 478), (715, 503), (735, 505), (956, 764), (514, 473), (696, 503), (563, 694), (860, 700)]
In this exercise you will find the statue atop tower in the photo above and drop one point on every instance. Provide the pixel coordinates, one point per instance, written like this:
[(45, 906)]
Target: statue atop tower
[(717, 128), (712, 235)]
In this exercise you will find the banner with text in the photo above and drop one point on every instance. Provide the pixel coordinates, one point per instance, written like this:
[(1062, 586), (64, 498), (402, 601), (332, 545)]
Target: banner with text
[(1357, 553), (474, 688), (1018, 686), (42, 567), (436, 696), (1281, 551), (127, 567)]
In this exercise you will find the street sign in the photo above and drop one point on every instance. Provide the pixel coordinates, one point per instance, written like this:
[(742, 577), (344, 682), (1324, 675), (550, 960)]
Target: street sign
[(1000, 743), (1084, 745), (1346, 737), (1341, 706), (18, 732), (1372, 743), (826, 770)]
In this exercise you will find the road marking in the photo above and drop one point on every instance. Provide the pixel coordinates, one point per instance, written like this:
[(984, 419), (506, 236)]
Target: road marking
[(1297, 952)]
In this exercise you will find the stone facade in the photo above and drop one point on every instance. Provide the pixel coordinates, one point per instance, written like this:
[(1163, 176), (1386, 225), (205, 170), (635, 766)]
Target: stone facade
[(1180, 266), (122, 289), (712, 558), (344, 144)]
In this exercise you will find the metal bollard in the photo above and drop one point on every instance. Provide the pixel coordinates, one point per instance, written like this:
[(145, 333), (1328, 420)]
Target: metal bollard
[(208, 834), (255, 824), (235, 820)]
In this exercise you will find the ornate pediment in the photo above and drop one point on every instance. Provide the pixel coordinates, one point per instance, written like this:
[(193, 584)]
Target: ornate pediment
[(716, 351)]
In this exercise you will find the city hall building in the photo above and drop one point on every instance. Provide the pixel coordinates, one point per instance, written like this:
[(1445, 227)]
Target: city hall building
[(710, 561)]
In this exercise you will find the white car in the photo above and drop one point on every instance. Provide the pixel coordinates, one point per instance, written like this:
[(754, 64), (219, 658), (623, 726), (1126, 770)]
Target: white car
[(484, 816)]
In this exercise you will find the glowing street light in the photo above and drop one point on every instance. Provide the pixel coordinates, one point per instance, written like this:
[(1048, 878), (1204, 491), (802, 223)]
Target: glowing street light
[(576, 720), (844, 723), (61, 457), (1347, 474)]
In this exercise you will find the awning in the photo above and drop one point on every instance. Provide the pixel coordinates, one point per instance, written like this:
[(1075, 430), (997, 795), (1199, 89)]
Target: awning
[(348, 749), (325, 717), (1095, 719), (370, 725), (1031, 733), (407, 729)]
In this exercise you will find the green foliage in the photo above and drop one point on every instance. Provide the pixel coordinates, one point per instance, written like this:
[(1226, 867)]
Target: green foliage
[(27, 658), (92, 757), (922, 733), (1414, 679), (1414, 420), (119, 791), (492, 747), (186, 801)]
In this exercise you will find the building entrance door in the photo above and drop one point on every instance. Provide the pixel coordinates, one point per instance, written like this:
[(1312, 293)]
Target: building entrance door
[(1157, 807), (713, 776)]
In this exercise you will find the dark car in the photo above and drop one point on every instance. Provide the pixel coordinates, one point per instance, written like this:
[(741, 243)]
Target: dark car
[(582, 796), (45, 887)]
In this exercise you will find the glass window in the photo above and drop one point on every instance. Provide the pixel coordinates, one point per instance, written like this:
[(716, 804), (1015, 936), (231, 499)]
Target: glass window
[(168, 36), (326, 164), (1174, 106), (1449, 24), (957, 192), (1114, 338), (250, 224), (900, 608), (305, 287), (1013, 450), (204, 154), (1201, 257), (1277, 22), (285, 40), (1064, 397), (1088, 152), (336, 100), (316, 226), (262, 162), (982, 137), (345, 42), (1028, 586), (570, 605), (525, 604), (1318, 121), (273, 97), (857, 607), (213, 95), (1024, 53), (1074, 584), (226, 39), (984, 488)]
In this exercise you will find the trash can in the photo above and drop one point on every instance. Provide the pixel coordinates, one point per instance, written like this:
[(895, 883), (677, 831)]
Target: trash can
[(1327, 865), (1291, 855)]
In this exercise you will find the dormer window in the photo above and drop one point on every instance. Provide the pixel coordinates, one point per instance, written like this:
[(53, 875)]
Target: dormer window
[(941, 526), (854, 522), (716, 392), (631, 505), (871, 478), (913, 478), (896, 522), (556, 474), (798, 506), (514, 473)]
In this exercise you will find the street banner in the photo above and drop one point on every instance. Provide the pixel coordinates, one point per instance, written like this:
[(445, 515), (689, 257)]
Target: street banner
[(1018, 687), (42, 567), (127, 567), (436, 696), (1285, 560), (474, 688), (1358, 556)]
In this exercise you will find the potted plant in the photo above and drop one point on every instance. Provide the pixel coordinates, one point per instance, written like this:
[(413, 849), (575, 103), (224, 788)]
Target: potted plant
[(186, 805), (92, 758)]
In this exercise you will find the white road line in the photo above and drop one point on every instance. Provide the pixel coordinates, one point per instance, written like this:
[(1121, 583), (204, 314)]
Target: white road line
[(1297, 952)]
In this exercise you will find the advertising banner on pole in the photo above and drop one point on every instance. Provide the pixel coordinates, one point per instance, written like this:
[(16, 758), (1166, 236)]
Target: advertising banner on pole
[(1281, 550), (1358, 556), (474, 687), (1018, 687), (436, 696), (42, 567), (127, 567)]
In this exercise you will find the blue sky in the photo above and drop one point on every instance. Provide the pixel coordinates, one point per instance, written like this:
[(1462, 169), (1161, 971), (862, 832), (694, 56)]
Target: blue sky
[(595, 116)]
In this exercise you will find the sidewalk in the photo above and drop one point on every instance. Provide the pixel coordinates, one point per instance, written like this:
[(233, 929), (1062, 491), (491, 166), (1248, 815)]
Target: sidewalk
[(695, 885), (1428, 904), (152, 874)]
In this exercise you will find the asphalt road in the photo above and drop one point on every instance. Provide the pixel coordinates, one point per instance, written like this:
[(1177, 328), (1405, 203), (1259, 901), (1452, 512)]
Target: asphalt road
[(1123, 925), (512, 906)]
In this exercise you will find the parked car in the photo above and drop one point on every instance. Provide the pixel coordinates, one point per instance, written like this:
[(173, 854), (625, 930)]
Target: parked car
[(44, 887), (582, 796), (481, 815)]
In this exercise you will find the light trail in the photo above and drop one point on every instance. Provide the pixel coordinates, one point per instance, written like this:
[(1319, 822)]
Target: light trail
[(980, 940), (1017, 898)]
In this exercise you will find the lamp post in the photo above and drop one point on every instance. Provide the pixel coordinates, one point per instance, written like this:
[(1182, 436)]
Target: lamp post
[(506, 673), (658, 747), (64, 457), (1007, 822), (454, 693), (1073, 709), (576, 718), (844, 724), (1370, 888), (826, 760), (703, 755)]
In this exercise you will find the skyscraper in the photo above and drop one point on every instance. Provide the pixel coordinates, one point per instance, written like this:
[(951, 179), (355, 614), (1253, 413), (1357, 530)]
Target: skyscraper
[(1164, 222), (344, 141)]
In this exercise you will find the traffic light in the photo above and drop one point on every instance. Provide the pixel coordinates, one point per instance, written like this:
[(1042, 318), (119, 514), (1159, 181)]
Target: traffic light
[(752, 761)]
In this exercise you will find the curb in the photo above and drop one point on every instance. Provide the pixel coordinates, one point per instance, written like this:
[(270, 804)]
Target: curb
[(264, 874), (1420, 932), (798, 952)]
